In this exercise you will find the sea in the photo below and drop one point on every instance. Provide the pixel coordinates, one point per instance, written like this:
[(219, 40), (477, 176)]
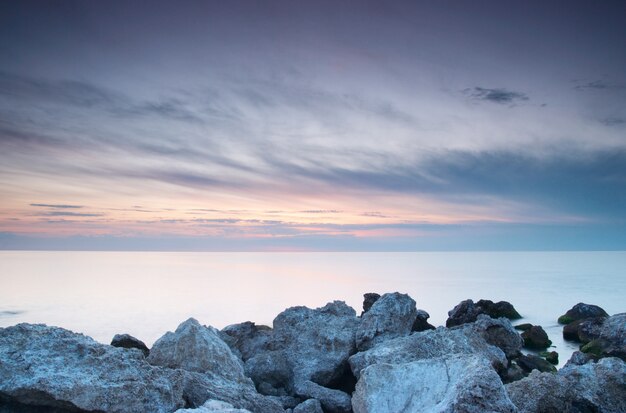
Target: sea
[(146, 294)]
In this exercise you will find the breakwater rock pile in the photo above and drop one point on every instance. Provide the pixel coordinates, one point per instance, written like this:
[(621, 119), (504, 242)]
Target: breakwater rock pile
[(325, 360)]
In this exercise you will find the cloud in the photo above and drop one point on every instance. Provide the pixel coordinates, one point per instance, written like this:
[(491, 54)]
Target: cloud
[(613, 121), (69, 214), (59, 206), (599, 85), (496, 95)]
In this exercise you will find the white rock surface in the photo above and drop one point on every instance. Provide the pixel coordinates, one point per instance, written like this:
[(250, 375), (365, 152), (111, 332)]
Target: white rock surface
[(309, 406), (441, 385), (391, 316), (214, 406)]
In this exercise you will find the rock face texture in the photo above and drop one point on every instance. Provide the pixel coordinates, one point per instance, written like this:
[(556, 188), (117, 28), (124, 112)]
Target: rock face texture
[(306, 344), (536, 338), (467, 311), (49, 366), (128, 341), (246, 339), (332, 400), (592, 387), (391, 316), (309, 406), (214, 406), (581, 311), (451, 384), (194, 347), (493, 339)]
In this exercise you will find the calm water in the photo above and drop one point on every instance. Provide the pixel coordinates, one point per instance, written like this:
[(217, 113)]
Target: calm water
[(148, 293)]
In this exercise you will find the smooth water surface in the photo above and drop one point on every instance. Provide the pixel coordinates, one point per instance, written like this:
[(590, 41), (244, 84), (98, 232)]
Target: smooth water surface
[(148, 293)]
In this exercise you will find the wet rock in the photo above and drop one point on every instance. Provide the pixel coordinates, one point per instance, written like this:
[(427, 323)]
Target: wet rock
[(306, 344), (333, 401), (214, 406), (592, 387), (451, 384), (421, 322), (128, 341), (536, 338), (523, 327), (194, 347), (551, 357), (466, 339), (467, 311), (530, 362), (391, 316), (581, 311), (368, 301), (612, 338), (309, 406), (583, 330), (246, 339)]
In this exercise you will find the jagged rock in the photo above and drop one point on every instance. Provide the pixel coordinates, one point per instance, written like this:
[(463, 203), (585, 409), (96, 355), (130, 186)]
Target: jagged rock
[(583, 330), (451, 384), (530, 362), (392, 315), (592, 387), (333, 401), (612, 338), (481, 337), (128, 341), (50, 366), (309, 406), (306, 344), (54, 367), (421, 322), (467, 312), (214, 406), (368, 301), (579, 358), (194, 347), (581, 311), (536, 338), (246, 339)]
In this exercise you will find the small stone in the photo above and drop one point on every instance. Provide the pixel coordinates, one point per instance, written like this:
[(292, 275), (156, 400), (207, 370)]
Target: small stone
[(128, 341), (550, 356), (530, 362), (536, 338), (523, 327), (309, 406)]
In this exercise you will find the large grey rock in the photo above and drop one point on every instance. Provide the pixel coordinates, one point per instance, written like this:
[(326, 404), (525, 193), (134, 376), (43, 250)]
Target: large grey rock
[(391, 316), (305, 344), (50, 366), (309, 406), (591, 387), (581, 311), (214, 406), (449, 384), (611, 341), (194, 347), (246, 339), (467, 311), (332, 400), (493, 339)]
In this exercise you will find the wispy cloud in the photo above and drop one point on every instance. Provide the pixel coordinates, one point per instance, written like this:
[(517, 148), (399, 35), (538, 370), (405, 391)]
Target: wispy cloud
[(59, 206), (495, 95), (599, 85)]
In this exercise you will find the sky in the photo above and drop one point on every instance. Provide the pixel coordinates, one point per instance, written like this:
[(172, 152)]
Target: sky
[(325, 125)]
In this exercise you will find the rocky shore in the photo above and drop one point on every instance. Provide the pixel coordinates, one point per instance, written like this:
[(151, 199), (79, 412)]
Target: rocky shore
[(326, 360)]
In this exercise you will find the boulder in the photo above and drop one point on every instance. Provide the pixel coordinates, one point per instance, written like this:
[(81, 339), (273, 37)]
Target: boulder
[(246, 339), (467, 312), (391, 316), (579, 358), (194, 347), (306, 344), (530, 362), (523, 327), (214, 406), (421, 322), (591, 387), (512, 373), (309, 406), (493, 339), (536, 338), (128, 341), (332, 400), (583, 330), (581, 311), (612, 338), (368, 301), (56, 368), (449, 384), (551, 357)]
